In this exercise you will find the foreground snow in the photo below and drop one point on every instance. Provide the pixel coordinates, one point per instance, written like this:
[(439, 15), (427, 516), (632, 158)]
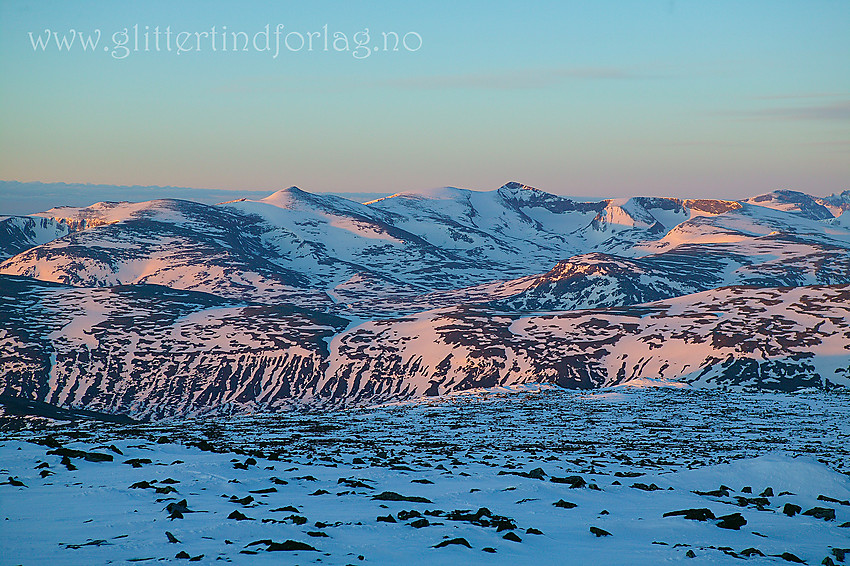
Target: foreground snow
[(316, 479)]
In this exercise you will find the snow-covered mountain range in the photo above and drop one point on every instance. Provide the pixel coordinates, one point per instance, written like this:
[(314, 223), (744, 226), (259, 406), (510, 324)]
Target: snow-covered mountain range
[(298, 299)]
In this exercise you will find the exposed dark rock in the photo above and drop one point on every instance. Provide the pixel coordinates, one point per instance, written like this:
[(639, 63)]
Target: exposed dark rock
[(619, 474), (759, 502), (701, 514), (644, 487), (833, 500), (460, 541), (393, 496), (573, 481), (88, 456), (722, 491), (790, 509), (536, 473), (289, 545), (354, 483), (181, 506), (483, 517), (734, 521), (599, 532), (824, 513), (96, 542)]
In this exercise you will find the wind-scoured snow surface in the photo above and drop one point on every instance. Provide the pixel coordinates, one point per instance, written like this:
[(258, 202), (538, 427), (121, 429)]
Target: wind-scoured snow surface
[(622, 475), (300, 300)]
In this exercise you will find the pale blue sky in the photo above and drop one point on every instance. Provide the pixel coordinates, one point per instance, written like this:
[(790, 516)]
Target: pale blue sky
[(607, 98)]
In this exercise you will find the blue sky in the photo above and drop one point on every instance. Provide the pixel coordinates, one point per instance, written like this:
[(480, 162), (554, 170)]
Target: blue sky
[(595, 98)]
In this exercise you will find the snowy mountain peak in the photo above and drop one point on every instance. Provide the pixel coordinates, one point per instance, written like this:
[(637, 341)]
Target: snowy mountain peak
[(519, 191), (622, 214), (285, 198), (837, 204), (296, 199), (794, 202)]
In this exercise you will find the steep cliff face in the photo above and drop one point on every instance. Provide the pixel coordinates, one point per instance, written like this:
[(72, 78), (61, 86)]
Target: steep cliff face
[(152, 351), (20, 233)]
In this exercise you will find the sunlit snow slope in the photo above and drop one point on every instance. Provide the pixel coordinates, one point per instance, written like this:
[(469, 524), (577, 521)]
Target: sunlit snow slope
[(171, 306)]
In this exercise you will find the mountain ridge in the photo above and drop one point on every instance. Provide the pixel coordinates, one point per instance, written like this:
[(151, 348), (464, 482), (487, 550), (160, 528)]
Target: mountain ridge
[(310, 300)]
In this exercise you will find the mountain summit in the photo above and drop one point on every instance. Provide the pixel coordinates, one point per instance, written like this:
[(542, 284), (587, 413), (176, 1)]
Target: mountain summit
[(299, 299)]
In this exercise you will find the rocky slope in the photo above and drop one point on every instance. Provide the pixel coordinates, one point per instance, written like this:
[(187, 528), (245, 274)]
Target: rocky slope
[(153, 351), (175, 307)]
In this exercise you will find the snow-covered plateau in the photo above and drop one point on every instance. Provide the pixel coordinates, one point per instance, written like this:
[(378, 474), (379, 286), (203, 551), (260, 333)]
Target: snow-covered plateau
[(622, 475)]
